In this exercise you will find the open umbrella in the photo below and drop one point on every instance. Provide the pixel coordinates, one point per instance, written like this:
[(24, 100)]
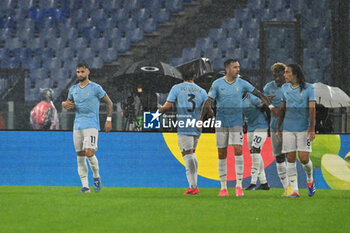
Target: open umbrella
[(155, 76), (330, 97)]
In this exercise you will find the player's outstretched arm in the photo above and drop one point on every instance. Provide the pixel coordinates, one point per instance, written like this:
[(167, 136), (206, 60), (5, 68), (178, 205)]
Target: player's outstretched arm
[(266, 101), (280, 121), (165, 107), (108, 124), (68, 104), (312, 115)]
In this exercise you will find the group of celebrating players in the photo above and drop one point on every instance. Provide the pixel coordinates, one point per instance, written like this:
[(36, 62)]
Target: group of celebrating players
[(292, 125), (289, 99)]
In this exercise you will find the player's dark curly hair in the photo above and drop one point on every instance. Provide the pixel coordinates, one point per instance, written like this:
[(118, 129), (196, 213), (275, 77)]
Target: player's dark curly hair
[(298, 71)]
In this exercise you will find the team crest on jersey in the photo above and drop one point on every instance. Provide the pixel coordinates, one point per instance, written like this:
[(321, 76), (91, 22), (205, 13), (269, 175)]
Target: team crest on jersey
[(237, 88)]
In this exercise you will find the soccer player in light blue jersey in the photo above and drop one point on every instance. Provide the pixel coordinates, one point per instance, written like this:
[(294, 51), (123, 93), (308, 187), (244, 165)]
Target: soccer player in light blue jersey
[(257, 124), (84, 98), (273, 90), (189, 99), (298, 118), (228, 91)]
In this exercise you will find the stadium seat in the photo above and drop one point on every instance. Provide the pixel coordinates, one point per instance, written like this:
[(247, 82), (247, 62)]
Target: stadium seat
[(65, 53), (141, 14), (57, 14), (27, 4), (127, 24), (34, 43), (100, 44), (132, 5), (123, 45), (189, 54), (174, 6), (230, 24), (67, 33), (135, 36), (218, 63), (149, 25), (161, 16), (11, 62), (96, 63), (121, 14), (79, 43), (13, 43), (40, 73), (152, 5), (213, 53), (110, 55), (48, 53), (217, 34), (38, 14), (112, 4), (52, 64), (204, 43)]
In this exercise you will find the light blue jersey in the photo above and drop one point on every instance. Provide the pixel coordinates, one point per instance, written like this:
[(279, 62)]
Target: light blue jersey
[(272, 89), (189, 98), (229, 100), (87, 105), (297, 107), (253, 116)]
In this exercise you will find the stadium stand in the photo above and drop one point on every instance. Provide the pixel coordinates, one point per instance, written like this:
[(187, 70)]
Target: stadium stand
[(42, 35)]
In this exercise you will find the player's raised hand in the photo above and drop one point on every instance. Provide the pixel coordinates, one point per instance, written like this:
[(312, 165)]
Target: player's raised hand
[(68, 104), (108, 126)]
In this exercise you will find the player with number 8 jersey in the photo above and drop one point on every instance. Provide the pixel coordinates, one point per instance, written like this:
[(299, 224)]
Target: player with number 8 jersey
[(189, 98)]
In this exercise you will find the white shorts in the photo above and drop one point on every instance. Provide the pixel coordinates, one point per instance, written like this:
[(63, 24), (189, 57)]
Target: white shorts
[(229, 136), (257, 138), (295, 141), (187, 142), (85, 139), (276, 144)]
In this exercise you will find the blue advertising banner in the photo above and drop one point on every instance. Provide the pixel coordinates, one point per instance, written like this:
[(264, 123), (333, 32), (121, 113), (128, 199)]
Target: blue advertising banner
[(151, 160)]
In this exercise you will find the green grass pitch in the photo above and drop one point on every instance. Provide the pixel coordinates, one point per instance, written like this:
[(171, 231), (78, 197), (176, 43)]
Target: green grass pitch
[(61, 209)]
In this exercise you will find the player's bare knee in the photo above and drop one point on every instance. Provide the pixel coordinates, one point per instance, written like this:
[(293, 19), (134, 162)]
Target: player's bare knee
[(291, 157), (238, 149), (81, 153), (222, 153), (304, 160), (89, 152), (281, 158), (187, 152)]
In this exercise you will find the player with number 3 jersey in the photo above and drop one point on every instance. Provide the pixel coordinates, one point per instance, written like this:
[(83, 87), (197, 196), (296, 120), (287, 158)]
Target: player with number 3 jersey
[(189, 99)]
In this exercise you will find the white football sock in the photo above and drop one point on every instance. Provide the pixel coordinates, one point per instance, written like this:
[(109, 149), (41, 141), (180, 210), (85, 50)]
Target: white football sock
[(282, 173), (94, 166), (223, 173), (83, 171), (255, 168), (190, 170), (308, 171), (239, 170), (196, 163), (292, 176), (262, 175)]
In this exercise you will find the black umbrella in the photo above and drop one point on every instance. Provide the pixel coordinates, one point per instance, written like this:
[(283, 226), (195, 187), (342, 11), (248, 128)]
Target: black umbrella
[(155, 76), (205, 81)]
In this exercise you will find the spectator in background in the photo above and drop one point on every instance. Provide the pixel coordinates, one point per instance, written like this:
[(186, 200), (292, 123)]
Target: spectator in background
[(44, 115)]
